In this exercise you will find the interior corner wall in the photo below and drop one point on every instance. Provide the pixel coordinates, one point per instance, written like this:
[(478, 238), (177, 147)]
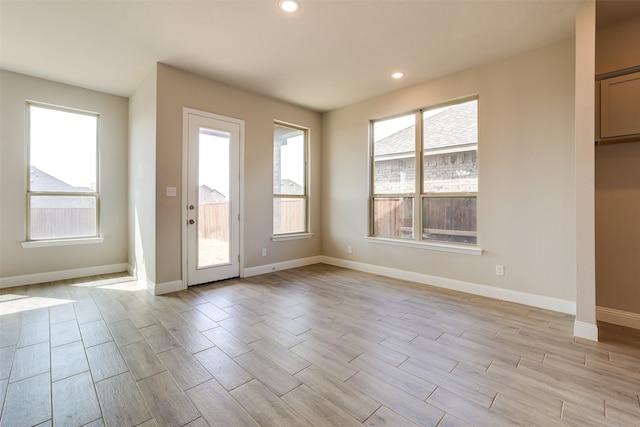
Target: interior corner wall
[(617, 229), (617, 187), (142, 178), (526, 211), (618, 46), (16, 261), (584, 161), (178, 89)]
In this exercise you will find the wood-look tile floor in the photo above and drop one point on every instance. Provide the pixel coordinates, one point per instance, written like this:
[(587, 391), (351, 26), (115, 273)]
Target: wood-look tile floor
[(317, 345)]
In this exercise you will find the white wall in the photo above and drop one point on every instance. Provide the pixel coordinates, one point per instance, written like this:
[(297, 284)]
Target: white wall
[(142, 178), (20, 265), (178, 89), (526, 204), (584, 192)]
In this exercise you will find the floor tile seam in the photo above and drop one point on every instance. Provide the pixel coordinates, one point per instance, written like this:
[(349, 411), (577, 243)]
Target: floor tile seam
[(535, 383), (594, 377), (460, 382), (568, 393)]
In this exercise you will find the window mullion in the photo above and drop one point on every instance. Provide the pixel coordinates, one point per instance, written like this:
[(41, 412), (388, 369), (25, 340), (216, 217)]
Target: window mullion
[(417, 203)]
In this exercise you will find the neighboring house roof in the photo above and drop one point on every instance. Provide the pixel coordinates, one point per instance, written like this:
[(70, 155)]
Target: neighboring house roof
[(209, 195), (455, 126), (42, 181), (288, 186)]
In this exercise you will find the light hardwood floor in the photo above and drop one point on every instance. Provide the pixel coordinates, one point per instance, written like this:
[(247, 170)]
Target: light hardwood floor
[(317, 345)]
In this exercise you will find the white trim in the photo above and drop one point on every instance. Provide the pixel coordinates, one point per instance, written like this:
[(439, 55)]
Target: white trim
[(61, 242), (283, 237), (618, 317), (52, 276), (442, 247), (186, 111), (285, 265), (547, 303), (165, 288), (585, 330)]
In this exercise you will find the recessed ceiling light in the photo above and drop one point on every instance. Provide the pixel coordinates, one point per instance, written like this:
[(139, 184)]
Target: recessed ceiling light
[(289, 5), (397, 75)]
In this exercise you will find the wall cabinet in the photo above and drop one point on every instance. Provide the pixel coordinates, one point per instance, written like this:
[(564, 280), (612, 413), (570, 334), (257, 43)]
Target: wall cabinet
[(620, 108)]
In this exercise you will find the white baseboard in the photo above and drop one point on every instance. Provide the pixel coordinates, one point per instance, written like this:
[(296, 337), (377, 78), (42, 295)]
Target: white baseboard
[(52, 276), (618, 317), (585, 330), (548, 303), (285, 265), (165, 288)]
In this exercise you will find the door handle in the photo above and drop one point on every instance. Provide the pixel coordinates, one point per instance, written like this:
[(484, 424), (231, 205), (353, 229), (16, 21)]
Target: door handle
[(191, 207), (191, 221)]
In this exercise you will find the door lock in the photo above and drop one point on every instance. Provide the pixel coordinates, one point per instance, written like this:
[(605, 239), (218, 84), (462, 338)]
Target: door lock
[(191, 207)]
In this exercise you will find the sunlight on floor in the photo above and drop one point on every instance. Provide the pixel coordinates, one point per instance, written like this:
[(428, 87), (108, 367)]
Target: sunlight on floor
[(22, 300), (127, 283), (11, 303)]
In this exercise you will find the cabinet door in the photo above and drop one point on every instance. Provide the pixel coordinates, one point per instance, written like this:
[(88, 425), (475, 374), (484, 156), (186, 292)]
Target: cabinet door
[(620, 106)]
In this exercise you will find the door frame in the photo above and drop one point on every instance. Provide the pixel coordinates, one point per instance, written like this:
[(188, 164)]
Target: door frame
[(186, 111)]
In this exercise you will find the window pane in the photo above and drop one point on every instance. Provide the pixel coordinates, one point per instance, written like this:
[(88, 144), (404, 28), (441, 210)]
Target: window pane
[(449, 219), (62, 150), (450, 148), (289, 215), (393, 217), (288, 160), (55, 217), (289, 179), (394, 147)]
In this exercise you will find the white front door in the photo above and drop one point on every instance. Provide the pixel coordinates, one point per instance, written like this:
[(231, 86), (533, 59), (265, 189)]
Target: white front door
[(212, 210)]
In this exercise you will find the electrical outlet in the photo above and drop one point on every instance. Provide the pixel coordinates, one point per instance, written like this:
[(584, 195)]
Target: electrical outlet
[(349, 249), (264, 251), (499, 270)]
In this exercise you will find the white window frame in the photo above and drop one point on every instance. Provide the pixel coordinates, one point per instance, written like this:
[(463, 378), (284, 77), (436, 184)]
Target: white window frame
[(60, 241), (306, 233), (419, 194)]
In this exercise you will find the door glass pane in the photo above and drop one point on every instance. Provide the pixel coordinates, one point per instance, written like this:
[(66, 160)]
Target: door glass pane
[(213, 199)]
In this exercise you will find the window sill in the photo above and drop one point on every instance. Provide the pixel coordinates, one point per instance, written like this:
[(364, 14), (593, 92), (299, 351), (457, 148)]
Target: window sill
[(441, 247), (61, 242), (284, 237)]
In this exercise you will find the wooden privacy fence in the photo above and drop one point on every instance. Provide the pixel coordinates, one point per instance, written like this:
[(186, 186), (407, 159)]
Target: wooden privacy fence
[(213, 221), (393, 217), (444, 218), (289, 215), (51, 223)]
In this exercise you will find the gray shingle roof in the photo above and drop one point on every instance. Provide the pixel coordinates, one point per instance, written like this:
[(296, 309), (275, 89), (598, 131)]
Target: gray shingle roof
[(453, 126), (209, 195), (42, 181)]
